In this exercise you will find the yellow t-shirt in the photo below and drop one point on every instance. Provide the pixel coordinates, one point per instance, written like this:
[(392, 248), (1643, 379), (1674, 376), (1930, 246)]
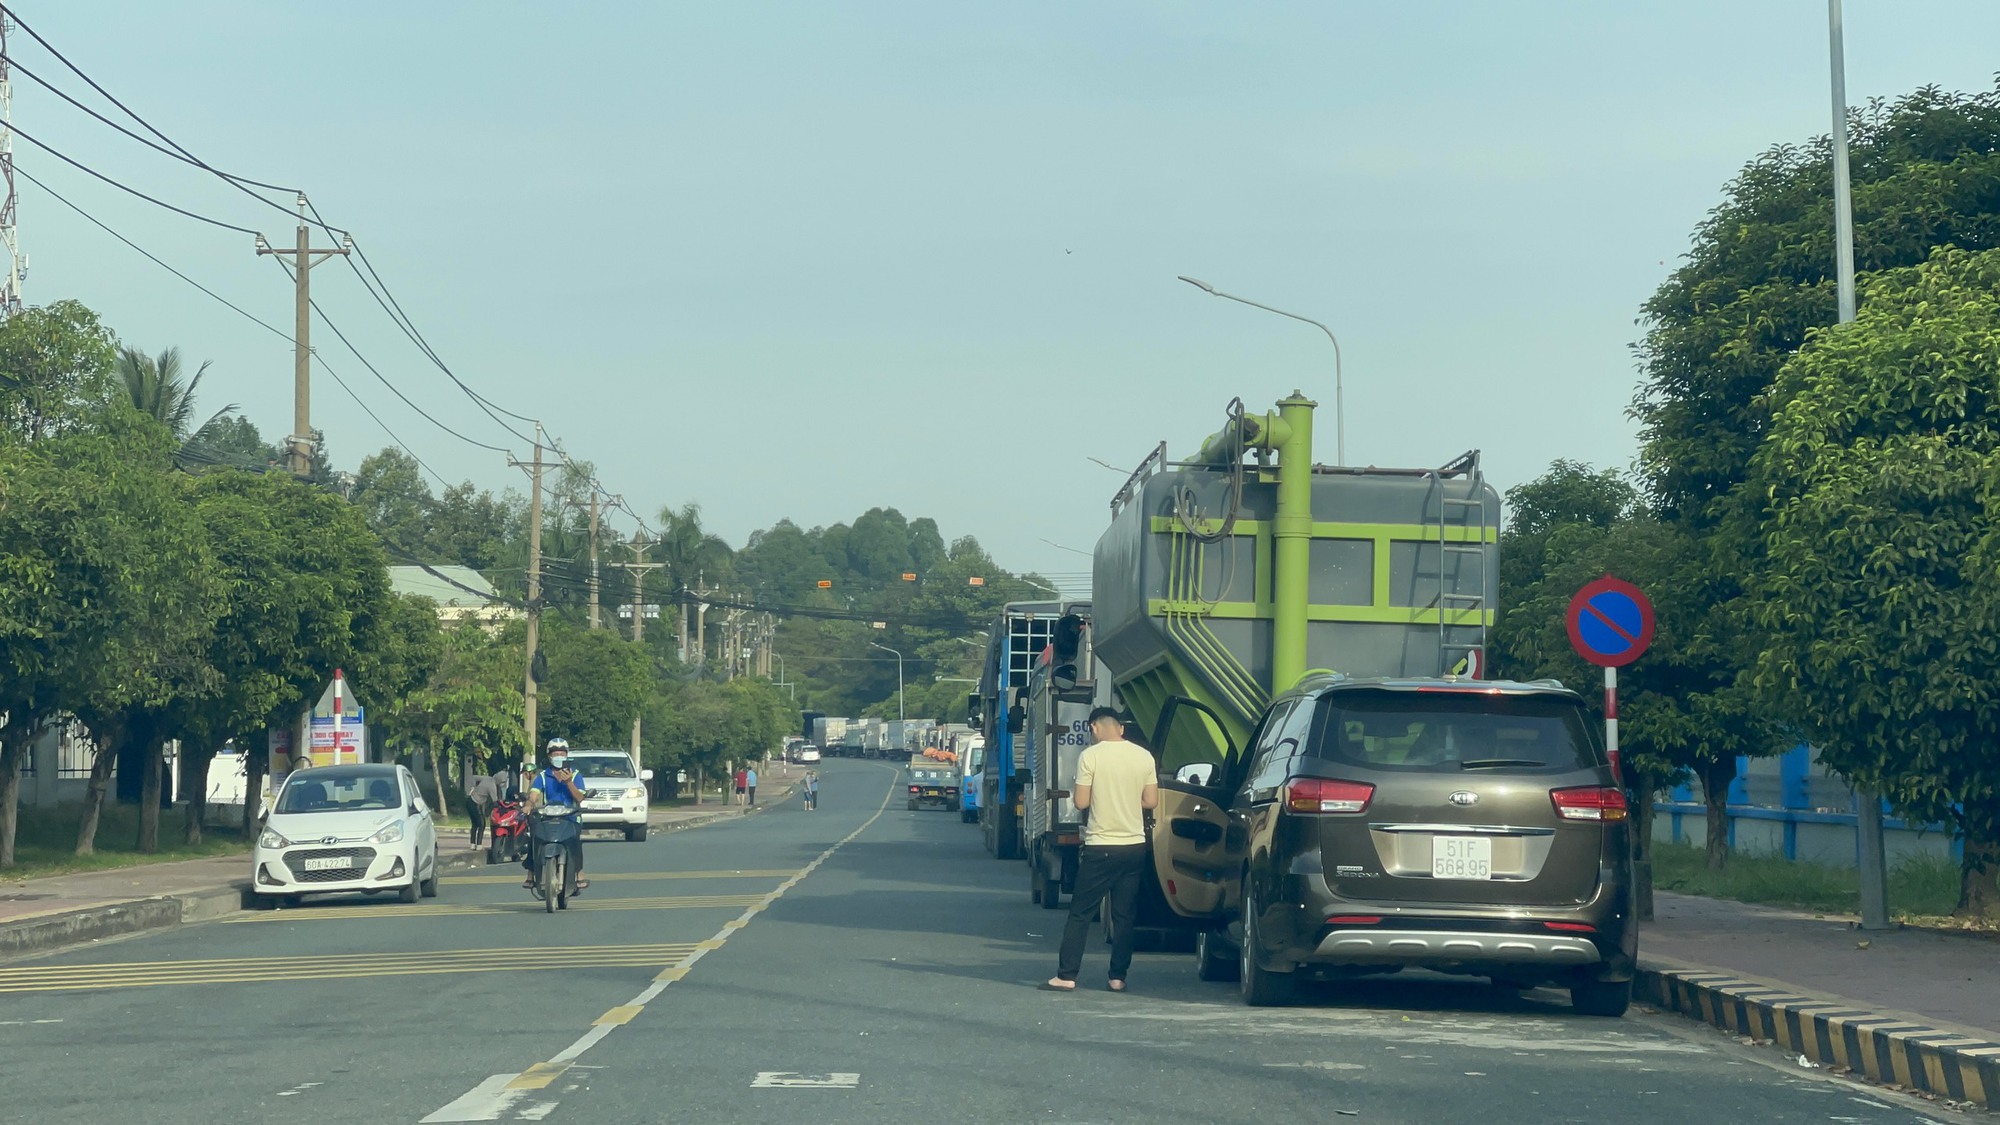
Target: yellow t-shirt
[(1117, 773)]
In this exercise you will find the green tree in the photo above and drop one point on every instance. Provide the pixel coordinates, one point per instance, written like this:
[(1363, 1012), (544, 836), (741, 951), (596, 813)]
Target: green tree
[(469, 712), (55, 370), (1879, 593), (158, 388), (597, 685)]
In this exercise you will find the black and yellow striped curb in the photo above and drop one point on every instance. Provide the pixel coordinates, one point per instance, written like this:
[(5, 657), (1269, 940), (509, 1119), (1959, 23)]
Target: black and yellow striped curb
[(1888, 1048)]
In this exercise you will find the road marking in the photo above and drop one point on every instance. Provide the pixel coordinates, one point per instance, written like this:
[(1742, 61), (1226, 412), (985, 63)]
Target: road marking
[(141, 974), (776, 1079), (618, 876), (621, 1014), (24, 1023), (537, 1076), (497, 1095), (447, 910), (299, 1089)]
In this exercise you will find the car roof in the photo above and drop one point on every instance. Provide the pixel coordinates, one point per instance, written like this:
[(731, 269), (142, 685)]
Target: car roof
[(1330, 683)]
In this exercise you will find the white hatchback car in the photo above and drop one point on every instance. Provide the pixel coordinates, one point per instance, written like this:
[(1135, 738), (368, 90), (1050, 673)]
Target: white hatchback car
[(346, 828)]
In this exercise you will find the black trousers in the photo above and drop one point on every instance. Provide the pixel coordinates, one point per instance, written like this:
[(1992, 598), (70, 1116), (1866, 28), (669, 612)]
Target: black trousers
[(1104, 870)]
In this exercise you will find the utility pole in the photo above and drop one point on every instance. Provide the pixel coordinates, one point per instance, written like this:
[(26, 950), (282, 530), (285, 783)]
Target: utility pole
[(593, 555), (304, 259), (10, 235), (534, 583), (638, 568)]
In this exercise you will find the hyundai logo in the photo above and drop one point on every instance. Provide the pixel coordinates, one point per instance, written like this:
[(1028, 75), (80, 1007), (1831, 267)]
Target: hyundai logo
[(336, 839), (1463, 798)]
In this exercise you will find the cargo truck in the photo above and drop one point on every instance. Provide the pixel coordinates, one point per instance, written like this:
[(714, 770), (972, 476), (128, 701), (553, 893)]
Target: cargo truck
[(1064, 686), (828, 732), (999, 709)]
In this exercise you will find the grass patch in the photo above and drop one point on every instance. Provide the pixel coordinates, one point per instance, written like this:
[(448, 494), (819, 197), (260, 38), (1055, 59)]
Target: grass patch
[(1918, 885), (45, 843)]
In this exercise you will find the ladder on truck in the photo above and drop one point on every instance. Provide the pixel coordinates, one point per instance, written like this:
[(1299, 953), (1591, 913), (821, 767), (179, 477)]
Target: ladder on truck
[(1473, 515)]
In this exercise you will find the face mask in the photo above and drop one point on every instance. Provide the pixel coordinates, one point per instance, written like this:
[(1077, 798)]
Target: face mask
[(558, 763)]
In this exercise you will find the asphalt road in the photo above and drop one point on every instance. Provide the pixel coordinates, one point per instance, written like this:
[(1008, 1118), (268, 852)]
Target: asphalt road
[(861, 964)]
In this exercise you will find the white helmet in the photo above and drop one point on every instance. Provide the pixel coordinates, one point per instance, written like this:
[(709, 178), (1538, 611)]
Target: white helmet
[(558, 744)]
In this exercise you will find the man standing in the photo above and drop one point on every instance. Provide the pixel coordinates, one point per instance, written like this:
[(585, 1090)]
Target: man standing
[(750, 783), (1116, 782), (812, 790), (740, 778)]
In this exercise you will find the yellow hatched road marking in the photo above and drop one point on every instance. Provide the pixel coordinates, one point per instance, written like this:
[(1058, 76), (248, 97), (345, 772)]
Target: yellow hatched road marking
[(675, 973), (459, 910), (623, 1013), (57, 978), (538, 1076)]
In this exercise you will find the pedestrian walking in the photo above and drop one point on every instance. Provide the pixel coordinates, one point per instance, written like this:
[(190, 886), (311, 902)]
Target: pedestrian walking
[(750, 783), (1116, 782), (482, 792), (812, 790), (740, 779)]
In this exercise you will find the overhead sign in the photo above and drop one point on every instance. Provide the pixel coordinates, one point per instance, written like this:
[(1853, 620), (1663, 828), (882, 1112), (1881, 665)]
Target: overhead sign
[(1610, 622)]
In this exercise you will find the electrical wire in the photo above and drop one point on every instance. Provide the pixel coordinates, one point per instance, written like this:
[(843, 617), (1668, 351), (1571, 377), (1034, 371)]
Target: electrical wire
[(30, 138)]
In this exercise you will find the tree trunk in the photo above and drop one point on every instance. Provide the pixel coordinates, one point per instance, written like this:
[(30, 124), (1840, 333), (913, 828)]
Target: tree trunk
[(437, 777), (1716, 778), (149, 796), (93, 794), (194, 782), (1979, 881), (253, 788), (12, 753)]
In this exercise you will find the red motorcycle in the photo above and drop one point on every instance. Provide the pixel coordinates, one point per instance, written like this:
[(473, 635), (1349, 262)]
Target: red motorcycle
[(506, 829)]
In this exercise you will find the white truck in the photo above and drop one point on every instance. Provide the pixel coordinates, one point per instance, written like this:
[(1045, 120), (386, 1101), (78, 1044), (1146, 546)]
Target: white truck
[(1064, 686)]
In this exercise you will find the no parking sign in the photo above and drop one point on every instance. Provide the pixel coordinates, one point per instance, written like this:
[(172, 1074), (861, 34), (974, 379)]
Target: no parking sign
[(1610, 623)]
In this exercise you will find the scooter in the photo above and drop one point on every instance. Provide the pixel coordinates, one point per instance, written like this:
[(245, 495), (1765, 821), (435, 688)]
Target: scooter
[(552, 828), (505, 826)]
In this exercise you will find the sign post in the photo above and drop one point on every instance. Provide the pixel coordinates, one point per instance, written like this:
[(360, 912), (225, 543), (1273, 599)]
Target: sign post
[(1610, 624)]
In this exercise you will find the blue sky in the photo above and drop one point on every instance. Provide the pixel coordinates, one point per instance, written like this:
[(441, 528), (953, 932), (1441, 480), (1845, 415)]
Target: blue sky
[(801, 259)]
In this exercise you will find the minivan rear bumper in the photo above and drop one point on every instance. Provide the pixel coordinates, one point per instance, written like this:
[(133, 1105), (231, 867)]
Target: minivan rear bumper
[(1597, 938)]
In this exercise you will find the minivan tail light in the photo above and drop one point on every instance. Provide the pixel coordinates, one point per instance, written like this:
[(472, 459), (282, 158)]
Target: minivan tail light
[(1355, 920), (1589, 802), (1324, 795)]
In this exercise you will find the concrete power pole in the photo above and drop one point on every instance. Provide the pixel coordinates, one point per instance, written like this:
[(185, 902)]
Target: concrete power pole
[(593, 557), (534, 586), (304, 258), (10, 235), (638, 568)]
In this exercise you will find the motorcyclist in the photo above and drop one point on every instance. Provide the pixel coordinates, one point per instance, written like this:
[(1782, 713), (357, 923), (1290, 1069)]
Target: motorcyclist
[(557, 785)]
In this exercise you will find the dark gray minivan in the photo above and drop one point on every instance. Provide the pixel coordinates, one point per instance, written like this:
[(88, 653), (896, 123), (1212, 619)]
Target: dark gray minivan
[(1465, 826)]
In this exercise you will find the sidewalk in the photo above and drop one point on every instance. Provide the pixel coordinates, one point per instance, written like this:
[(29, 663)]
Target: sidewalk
[(60, 910), (1911, 1008)]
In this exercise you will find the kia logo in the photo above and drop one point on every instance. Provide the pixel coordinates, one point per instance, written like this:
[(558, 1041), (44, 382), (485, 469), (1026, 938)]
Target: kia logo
[(1463, 798)]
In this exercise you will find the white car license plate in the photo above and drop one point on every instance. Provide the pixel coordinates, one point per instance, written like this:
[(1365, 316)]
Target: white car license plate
[(327, 862), (1461, 857)]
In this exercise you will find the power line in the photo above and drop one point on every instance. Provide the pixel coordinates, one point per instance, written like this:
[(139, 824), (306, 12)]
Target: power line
[(26, 136)]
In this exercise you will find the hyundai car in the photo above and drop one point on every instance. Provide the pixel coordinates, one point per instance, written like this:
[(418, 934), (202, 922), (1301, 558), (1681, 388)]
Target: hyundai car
[(346, 828)]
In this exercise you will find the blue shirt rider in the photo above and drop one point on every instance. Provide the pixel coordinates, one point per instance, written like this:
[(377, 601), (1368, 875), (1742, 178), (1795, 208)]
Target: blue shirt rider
[(559, 785)]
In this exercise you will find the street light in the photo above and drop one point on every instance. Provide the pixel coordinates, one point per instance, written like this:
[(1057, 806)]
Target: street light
[(899, 678), (1339, 400), (1039, 586)]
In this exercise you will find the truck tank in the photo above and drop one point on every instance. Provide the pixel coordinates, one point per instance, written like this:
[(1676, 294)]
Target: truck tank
[(1226, 577)]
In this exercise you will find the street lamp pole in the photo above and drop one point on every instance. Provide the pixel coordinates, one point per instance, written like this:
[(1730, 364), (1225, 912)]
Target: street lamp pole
[(1339, 394), (900, 716)]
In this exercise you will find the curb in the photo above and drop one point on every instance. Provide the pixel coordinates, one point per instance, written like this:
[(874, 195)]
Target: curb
[(1889, 1048), (73, 927)]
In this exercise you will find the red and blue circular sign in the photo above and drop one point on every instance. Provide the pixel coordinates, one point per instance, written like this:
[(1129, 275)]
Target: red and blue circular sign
[(1610, 622)]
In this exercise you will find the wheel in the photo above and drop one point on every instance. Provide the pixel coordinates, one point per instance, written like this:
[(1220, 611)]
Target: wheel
[(1034, 884), (1261, 988), (551, 884), (493, 851), (967, 816), (1051, 891), (1213, 959), (408, 892), (637, 834), (429, 887), (1601, 997), (913, 806)]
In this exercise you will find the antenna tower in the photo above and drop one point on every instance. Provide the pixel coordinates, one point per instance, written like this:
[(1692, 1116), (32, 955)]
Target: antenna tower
[(10, 235)]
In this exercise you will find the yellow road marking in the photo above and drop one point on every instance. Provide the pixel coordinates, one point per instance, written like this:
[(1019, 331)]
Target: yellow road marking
[(538, 1076), (623, 1013), (459, 910), (617, 876), (671, 974), (711, 943), (58, 978)]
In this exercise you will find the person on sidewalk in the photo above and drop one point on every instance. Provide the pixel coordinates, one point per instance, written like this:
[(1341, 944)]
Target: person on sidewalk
[(482, 792), (740, 778), (750, 784), (1116, 782)]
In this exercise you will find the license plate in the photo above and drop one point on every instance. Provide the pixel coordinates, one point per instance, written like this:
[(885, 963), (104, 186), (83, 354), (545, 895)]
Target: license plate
[(327, 862), (933, 793), (1461, 857)]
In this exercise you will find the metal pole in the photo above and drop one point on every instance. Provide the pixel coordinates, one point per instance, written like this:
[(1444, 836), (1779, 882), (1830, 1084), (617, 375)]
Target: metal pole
[(1611, 720), (1871, 862), (593, 557), (1339, 389), (1291, 536), (900, 716)]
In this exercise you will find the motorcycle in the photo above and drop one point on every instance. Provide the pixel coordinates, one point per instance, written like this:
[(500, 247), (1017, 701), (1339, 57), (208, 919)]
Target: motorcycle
[(505, 826), (553, 827)]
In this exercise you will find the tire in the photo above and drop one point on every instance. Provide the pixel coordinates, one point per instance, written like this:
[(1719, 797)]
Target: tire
[(408, 892), (913, 806), (1034, 884), (493, 851), (429, 887), (1050, 895), (967, 816), (1214, 960), (1260, 987), (1601, 998), (636, 835), (551, 880)]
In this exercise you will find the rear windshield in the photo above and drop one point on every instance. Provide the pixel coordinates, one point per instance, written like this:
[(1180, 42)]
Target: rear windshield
[(609, 765), (1452, 732)]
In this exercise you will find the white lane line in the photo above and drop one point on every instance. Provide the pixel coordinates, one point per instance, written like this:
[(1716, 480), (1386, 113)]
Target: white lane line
[(498, 1095), (25, 1023), (776, 1079)]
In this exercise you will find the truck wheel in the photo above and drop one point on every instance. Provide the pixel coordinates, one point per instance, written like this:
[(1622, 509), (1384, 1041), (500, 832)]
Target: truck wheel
[(1261, 988), (1050, 894), (1214, 960), (1034, 884)]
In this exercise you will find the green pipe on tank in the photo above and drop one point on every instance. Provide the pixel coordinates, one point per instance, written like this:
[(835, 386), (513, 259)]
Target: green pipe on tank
[(1291, 533)]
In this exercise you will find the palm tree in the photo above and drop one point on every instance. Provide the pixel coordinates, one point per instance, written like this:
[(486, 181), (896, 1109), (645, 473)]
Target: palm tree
[(688, 550), (156, 388)]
